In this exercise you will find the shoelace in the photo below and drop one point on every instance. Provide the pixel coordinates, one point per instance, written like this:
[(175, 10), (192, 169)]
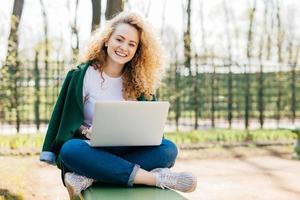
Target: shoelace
[(184, 182), (167, 180)]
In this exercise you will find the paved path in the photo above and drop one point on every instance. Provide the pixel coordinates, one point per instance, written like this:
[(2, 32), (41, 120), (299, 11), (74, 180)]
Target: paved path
[(253, 178), (256, 178)]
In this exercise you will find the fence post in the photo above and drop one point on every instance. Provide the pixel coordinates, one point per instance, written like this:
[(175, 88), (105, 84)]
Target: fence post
[(37, 91)]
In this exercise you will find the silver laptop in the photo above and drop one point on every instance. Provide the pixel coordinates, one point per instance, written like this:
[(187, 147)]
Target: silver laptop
[(128, 123)]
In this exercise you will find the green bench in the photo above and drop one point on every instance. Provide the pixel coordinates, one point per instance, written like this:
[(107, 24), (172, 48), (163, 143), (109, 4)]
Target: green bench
[(113, 192), (297, 146)]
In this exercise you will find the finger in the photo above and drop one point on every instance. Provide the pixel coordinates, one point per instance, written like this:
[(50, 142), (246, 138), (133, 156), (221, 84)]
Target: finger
[(88, 135)]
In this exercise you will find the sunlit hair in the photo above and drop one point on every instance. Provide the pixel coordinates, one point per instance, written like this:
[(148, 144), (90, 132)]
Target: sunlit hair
[(141, 75)]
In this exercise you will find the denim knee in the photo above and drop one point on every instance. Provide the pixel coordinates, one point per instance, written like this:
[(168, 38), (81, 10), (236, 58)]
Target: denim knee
[(68, 149), (169, 152)]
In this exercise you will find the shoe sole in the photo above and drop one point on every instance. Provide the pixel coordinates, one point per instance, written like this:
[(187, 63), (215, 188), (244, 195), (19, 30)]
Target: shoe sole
[(193, 188)]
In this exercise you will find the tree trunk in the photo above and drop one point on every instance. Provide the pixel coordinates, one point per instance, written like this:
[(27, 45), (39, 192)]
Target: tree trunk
[(261, 78), (196, 93), (188, 55), (177, 90), (161, 30), (247, 71), (213, 93), (13, 35), (230, 87), (96, 18), (187, 39), (293, 85), (11, 61), (36, 92), (280, 61), (113, 7), (46, 61)]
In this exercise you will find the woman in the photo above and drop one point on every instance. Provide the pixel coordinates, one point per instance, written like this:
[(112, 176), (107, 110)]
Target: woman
[(123, 62)]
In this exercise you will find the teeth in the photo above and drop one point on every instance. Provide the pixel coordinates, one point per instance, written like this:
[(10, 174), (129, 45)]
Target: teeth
[(120, 54)]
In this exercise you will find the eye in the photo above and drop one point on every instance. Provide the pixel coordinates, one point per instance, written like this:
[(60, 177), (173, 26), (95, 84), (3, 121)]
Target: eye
[(132, 45), (119, 39)]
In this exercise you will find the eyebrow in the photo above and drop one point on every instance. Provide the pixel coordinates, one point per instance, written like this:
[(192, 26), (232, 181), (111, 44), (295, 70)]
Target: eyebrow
[(125, 38)]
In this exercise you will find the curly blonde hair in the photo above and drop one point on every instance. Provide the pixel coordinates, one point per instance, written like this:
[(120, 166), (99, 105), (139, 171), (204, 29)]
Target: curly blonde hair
[(141, 75)]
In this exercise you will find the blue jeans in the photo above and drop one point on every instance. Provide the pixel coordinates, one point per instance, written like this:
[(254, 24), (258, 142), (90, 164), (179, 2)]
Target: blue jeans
[(117, 165)]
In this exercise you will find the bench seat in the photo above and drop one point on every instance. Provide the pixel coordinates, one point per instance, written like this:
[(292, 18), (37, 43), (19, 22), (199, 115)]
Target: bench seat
[(113, 192)]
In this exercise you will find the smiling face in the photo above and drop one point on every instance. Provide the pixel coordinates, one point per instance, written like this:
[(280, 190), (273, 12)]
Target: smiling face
[(122, 44)]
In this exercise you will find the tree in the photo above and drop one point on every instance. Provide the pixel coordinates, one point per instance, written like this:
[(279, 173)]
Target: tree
[(213, 92), (163, 20), (280, 62), (13, 39), (11, 70), (293, 55), (187, 38), (37, 99), (74, 32), (197, 94), (261, 91), (113, 7), (229, 49), (46, 59), (293, 84), (173, 81), (188, 54), (96, 18), (247, 71)]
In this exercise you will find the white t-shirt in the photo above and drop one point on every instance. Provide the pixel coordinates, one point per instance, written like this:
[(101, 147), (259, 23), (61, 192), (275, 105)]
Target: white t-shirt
[(97, 89)]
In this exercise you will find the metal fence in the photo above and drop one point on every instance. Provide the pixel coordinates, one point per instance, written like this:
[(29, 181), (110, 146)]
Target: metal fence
[(203, 100)]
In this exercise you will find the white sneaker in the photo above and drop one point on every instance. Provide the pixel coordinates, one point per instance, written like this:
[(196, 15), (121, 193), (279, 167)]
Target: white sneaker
[(181, 181), (76, 184)]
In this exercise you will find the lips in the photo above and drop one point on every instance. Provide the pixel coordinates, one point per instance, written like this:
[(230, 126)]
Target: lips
[(121, 54)]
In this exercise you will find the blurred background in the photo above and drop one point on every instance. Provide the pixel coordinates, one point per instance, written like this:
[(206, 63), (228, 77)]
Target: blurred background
[(231, 64), (232, 79)]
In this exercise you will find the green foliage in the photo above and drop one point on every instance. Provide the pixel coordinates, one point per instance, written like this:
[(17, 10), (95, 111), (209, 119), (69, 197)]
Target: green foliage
[(26, 98), (229, 135), (193, 137), (220, 90), (21, 141)]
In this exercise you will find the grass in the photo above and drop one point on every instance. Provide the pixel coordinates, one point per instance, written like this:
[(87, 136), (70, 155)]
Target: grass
[(21, 140), (21, 144), (229, 135), (16, 183), (35, 141)]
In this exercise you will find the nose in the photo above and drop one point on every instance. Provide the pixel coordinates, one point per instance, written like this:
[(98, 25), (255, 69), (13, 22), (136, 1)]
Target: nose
[(124, 47)]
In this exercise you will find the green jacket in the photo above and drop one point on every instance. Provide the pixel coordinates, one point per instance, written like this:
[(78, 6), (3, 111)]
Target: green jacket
[(67, 115)]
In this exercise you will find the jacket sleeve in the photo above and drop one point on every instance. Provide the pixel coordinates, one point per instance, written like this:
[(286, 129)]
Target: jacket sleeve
[(47, 154)]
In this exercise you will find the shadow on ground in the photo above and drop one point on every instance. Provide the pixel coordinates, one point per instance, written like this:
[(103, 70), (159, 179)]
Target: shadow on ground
[(266, 171), (7, 195)]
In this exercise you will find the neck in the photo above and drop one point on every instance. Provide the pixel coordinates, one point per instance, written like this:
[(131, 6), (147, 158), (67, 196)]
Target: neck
[(113, 69)]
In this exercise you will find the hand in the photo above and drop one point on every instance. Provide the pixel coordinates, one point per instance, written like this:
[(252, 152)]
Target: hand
[(86, 132)]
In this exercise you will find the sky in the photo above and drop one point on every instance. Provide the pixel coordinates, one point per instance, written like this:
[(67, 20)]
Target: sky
[(59, 17), (31, 26)]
